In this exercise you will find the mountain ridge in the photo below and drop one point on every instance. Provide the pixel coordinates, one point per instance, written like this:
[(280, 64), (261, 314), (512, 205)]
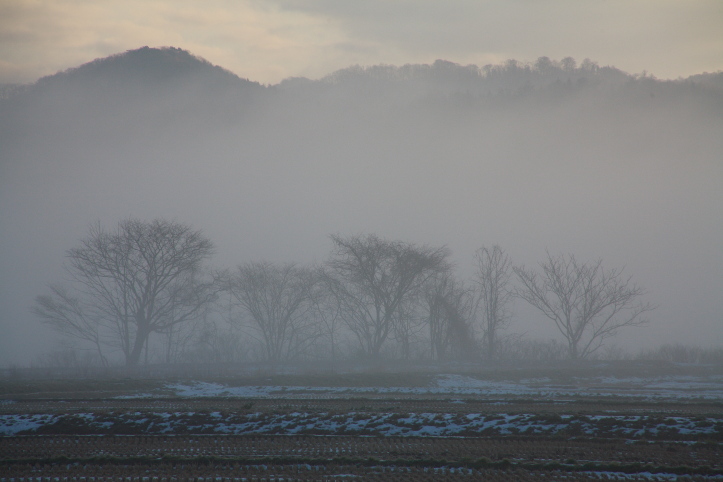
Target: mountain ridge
[(152, 68), (146, 64)]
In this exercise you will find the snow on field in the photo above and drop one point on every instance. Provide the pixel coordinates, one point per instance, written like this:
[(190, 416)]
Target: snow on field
[(712, 385), (203, 389), (460, 385), (12, 424), (364, 423), (445, 384)]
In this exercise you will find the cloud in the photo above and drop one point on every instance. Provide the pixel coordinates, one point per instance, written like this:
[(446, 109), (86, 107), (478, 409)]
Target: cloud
[(257, 41)]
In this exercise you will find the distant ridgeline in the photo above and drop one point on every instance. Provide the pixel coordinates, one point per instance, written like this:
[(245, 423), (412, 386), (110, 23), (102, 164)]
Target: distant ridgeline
[(150, 70)]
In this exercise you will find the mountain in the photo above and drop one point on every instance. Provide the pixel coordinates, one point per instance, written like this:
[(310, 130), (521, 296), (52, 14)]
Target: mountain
[(571, 158), (161, 83), (148, 83), (152, 72), (145, 71)]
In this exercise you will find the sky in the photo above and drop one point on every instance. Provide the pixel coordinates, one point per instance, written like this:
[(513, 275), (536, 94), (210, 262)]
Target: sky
[(270, 40)]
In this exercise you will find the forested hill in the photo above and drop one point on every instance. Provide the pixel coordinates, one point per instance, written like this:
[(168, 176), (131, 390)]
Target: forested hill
[(145, 70), (560, 155), (156, 82), (152, 91), (164, 72)]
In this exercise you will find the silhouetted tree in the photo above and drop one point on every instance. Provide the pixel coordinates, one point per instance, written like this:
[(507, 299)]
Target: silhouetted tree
[(450, 307), (587, 303), (327, 311), (407, 327), (493, 273), (278, 298), (179, 339), (71, 317), (375, 278), (142, 278)]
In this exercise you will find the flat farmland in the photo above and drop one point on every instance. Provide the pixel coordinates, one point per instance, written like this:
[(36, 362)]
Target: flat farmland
[(603, 422)]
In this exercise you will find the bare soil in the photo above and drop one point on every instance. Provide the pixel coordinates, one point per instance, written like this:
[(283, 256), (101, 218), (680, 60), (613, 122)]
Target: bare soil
[(94, 434)]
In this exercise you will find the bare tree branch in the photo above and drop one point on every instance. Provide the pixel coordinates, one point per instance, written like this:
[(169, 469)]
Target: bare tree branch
[(375, 277), (494, 272), (67, 315), (140, 279), (450, 308), (278, 299), (587, 303)]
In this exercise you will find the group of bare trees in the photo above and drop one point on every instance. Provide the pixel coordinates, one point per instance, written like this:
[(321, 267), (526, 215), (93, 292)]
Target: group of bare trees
[(373, 297)]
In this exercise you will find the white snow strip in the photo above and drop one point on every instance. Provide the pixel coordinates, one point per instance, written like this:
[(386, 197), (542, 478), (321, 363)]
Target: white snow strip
[(455, 385), (13, 424)]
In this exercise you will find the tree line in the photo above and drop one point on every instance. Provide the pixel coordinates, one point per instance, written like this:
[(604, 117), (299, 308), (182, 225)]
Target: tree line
[(145, 290)]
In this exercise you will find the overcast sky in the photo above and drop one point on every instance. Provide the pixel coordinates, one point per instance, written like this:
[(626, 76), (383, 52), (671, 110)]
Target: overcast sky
[(269, 40)]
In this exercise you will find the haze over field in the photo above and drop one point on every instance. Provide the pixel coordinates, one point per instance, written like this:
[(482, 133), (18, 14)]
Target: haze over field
[(555, 155)]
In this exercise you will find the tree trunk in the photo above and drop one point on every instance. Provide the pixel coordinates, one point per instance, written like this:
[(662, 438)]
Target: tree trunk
[(135, 356)]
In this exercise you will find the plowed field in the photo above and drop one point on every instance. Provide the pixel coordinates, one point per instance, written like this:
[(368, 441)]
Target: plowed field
[(286, 434)]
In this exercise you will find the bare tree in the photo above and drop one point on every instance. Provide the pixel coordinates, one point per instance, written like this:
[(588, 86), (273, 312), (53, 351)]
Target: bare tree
[(587, 303), (327, 310), (375, 277), (450, 308), (493, 276), (67, 315), (178, 339), (142, 278), (217, 342), (278, 299), (408, 327)]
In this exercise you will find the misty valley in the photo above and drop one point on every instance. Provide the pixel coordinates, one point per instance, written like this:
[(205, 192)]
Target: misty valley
[(416, 272)]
